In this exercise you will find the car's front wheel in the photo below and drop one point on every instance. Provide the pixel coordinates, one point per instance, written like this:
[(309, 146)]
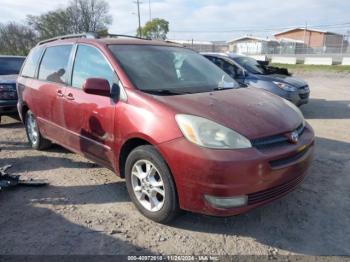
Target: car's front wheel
[(36, 140), (150, 184)]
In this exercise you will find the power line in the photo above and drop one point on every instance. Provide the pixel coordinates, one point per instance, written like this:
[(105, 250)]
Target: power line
[(271, 28), (256, 29)]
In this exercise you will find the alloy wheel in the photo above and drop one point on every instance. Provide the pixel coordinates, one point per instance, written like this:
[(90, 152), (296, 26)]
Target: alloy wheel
[(148, 185), (32, 128)]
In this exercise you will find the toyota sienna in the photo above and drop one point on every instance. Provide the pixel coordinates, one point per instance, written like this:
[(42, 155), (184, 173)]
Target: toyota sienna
[(174, 125)]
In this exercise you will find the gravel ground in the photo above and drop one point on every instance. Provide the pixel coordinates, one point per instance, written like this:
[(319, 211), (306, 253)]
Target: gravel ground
[(86, 209)]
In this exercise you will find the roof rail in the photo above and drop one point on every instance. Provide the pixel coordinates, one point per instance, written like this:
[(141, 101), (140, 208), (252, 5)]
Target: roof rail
[(84, 35), (173, 42), (128, 36), (88, 35)]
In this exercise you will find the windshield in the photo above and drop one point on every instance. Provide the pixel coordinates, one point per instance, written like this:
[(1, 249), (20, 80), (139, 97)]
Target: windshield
[(251, 65), (170, 70), (10, 65)]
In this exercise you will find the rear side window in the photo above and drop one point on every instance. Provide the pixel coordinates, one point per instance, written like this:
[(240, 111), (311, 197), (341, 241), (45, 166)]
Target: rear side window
[(90, 63), (54, 64), (31, 63)]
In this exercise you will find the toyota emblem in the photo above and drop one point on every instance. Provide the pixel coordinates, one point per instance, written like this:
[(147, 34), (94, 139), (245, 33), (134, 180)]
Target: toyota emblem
[(294, 137)]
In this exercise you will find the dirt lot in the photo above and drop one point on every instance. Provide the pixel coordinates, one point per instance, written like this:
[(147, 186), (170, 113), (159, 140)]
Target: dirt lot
[(86, 209)]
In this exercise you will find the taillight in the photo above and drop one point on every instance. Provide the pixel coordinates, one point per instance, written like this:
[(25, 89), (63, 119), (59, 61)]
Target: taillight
[(8, 92)]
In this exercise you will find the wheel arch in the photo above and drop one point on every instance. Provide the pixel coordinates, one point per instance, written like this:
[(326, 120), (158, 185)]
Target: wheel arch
[(126, 149), (24, 110)]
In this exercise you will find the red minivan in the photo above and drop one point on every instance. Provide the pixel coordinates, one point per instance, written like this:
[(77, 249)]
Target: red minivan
[(181, 131)]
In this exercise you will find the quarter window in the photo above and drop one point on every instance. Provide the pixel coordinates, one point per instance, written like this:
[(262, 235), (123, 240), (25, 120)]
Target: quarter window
[(54, 64), (90, 63), (31, 63)]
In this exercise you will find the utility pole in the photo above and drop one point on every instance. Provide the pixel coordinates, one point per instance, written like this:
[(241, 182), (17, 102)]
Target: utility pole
[(150, 11), (305, 36), (345, 38), (342, 45), (139, 16)]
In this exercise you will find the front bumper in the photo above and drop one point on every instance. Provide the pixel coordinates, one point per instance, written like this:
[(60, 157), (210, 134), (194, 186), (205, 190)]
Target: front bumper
[(298, 97), (8, 107), (199, 171)]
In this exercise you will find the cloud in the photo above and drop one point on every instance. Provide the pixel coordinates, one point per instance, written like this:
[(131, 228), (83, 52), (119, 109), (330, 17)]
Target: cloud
[(206, 19)]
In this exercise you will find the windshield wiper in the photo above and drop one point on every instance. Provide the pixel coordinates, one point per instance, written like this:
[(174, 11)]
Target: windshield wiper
[(223, 88), (165, 92)]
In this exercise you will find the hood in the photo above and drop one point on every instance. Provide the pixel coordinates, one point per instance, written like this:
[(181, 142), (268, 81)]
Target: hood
[(8, 79), (283, 78), (251, 112)]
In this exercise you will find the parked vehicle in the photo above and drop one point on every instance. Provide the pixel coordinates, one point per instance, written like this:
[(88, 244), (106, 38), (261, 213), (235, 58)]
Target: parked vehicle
[(175, 126), (9, 69), (249, 72)]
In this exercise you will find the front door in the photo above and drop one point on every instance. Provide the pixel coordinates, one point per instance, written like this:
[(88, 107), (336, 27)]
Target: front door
[(90, 118)]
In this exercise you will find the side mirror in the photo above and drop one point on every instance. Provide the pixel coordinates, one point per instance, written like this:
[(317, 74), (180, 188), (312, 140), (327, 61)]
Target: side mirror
[(243, 85), (97, 86), (263, 63)]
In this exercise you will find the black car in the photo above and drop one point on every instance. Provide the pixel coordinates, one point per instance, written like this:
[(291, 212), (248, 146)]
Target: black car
[(9, 69)]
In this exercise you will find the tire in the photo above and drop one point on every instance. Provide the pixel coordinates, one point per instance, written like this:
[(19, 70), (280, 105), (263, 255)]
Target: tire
[(36, 140), (165, 207)]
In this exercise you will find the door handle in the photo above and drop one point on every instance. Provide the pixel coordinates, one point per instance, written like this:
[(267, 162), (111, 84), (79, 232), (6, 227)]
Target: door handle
[(59, 93), (70, 96)]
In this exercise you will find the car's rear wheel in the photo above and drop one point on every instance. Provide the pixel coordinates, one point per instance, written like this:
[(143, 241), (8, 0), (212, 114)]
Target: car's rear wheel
[(150, 184), (36, 140)]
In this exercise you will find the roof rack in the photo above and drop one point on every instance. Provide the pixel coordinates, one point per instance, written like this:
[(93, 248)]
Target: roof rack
[(90, 35), (173, 42), (128, 36), (84, 35)]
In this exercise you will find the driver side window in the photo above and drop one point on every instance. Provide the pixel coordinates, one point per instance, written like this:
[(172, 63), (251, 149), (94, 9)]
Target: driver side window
[(90, 63), (229, 68)]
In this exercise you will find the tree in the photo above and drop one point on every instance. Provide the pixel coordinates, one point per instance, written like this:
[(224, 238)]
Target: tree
[(155, 29), (16, 39), (51, 24), (89, 15), (78, 17)]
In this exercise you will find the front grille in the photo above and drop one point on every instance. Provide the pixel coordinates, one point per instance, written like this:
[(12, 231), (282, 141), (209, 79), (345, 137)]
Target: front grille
[(8, 92), (304, 96), (8, 95), (275, 140), (7, 109), (304, 87), (274, 192), (288, 160)]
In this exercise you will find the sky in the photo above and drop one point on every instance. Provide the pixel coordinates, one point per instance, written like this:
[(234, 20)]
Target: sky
[(207, 19)]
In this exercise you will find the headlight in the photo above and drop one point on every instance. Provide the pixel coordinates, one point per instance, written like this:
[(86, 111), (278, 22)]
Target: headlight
[(285, 86), (209, 134)]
